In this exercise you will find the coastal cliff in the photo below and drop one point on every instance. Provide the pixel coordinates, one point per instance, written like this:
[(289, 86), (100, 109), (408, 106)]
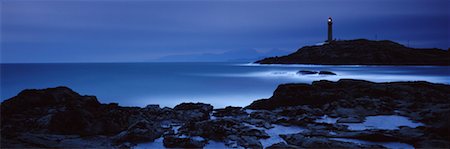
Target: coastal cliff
[(362, 52)]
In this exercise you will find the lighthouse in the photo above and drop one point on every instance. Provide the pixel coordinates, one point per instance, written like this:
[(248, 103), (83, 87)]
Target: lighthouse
[(330, 30)]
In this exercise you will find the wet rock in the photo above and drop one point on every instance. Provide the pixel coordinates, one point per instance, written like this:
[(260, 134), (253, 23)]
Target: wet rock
[(193, 111), (321, 142), (326, 73), (258, 123), (282, 145), (140, 131), (194, 106), (217, 129), (254, 132), (264, 115), (32, 140), (306, 72), (173, 141), (432, 144), (295, 110), (300, 120), (230, 111), (64, 113), (351, 120), (40, 109), (322, 92), (227, 130), (152, 108), (250, 142)]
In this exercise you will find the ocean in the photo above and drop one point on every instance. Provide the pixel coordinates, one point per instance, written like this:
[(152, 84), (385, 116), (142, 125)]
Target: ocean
[(168, 84)]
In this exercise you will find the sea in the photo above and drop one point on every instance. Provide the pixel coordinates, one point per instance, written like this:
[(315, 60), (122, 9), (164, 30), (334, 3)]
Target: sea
[(168, 84)]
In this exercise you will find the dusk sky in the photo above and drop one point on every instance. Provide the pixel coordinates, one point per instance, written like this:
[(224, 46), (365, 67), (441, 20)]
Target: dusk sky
[(139, 31)]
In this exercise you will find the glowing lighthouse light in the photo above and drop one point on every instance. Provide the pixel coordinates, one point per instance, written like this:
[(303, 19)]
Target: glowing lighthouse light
[(330, 30)]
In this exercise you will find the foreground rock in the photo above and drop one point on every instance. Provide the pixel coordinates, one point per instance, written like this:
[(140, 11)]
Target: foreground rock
[(362, 52), (60, 118), (326, 73), (350, 101), (230, 111), (321, 142), (306, 72), (173, 141)]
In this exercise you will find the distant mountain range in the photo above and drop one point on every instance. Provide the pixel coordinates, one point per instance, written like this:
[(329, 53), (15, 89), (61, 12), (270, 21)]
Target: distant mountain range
[(362, 52), (228, 56)]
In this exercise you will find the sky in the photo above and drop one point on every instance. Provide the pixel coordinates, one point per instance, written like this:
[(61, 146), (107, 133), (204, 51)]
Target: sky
[(54, 31)]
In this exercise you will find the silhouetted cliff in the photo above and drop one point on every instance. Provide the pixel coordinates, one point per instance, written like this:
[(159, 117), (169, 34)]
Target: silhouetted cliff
[(362, 52)]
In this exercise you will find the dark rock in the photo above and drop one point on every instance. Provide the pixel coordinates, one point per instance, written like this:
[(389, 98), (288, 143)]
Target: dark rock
[(320, 93), (217, 129), (173, 141), (193, 111), (60, 111), (141, 131), (362, 52), (299, 110), (66, 119), (152, 108), (254, 132), (326, 73), (432, 144), (321, 142), (194, 106), (350, 120), (282, 145), (250, 142), (306, 72), (264, 115), (230, 111), (258, 123), (32, 140)]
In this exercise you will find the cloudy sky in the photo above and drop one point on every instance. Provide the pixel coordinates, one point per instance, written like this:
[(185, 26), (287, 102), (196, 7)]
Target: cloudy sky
[(150, 30)]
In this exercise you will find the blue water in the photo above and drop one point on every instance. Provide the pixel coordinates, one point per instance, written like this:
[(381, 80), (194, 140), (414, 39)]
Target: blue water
[(168, 84)]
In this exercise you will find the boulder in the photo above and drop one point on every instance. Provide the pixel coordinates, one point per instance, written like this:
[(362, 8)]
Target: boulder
[(326, 73), (152, 108), (174, 141), (321, 142), (306, 72), (207, 108), (351, 120), (258, 123), (224, 129), (250, 142), (266, 115), (193, 111), (229, 111), (141, 131), (282, 145)]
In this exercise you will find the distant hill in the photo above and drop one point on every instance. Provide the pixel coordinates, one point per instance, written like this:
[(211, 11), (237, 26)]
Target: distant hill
[(362, 52)]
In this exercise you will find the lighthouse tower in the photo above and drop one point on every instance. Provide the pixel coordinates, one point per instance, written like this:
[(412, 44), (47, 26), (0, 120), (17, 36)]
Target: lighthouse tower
[(330, 30)]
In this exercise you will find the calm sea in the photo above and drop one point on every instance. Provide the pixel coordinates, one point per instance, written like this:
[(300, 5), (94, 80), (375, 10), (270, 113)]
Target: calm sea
[(168, 84)]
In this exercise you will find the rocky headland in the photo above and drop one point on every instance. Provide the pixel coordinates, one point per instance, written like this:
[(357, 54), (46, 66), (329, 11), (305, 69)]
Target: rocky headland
[(61, 118), (362, 52)]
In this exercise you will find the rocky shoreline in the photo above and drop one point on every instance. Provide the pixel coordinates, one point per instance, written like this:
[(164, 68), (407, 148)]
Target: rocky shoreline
[(61, 118)]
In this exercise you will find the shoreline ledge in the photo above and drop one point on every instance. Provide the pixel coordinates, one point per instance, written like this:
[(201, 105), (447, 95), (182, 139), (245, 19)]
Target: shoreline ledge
[(363, 52), (61, 118)]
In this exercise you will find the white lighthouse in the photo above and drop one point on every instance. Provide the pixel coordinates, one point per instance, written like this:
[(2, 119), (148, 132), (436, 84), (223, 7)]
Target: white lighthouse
[(330, 30)]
